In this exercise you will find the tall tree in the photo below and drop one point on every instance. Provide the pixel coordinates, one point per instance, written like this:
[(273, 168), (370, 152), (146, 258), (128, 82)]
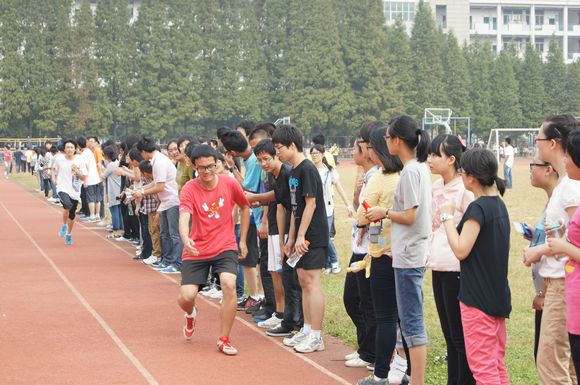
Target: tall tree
[(572, 87), (457, 80), (532, 93), (400, 59), (555, 79), (505, 91), (480, 64), (428, 73)]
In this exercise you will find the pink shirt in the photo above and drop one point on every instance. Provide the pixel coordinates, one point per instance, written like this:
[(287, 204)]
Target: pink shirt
[(440, 257), (165, 172), (572, 288), (7, 156)]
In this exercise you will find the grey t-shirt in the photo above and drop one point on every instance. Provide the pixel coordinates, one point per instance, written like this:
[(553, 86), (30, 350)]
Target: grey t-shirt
[(113, 183), (409, 242)]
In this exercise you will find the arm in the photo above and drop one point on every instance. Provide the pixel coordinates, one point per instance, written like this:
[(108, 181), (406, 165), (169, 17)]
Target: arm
[(188, 243), (263, 230), (150, 189), (342, 194), (291, 236), (560, 246), (461, 245), (244, 225), (264, 197), (281, 223), (301, 246), (232, 165)]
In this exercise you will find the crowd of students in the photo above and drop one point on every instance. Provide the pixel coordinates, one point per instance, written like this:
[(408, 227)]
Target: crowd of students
[(247, 212)]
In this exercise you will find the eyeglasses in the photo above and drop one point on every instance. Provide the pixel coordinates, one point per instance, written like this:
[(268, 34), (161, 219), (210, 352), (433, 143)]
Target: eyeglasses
[(539, 165), (536, 140), (265, 160), (315, 153), (370, 147), (278, 146), (209, 167)]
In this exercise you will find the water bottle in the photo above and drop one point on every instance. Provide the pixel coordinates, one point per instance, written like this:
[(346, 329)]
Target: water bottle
[(294, 258), (357, 266)]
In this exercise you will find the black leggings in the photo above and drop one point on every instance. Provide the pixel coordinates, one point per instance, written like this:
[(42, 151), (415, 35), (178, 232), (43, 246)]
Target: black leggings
[(46, 186), (575, 349)]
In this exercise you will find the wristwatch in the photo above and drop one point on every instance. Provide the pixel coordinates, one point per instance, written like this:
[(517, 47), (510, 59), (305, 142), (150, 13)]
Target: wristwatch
[(445, 217)]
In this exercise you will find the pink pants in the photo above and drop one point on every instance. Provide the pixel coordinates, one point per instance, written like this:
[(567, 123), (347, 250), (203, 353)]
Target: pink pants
[(485, 339)]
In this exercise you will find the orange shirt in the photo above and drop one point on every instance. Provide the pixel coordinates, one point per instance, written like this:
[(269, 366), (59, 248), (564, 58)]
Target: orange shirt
[(98, 153)]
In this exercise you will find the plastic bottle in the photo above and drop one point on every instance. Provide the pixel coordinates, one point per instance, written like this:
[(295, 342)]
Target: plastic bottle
[(295, 257), (357, 266)]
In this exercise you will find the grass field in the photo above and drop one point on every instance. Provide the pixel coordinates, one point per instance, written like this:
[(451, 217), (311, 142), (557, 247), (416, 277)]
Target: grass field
[(524, 203)]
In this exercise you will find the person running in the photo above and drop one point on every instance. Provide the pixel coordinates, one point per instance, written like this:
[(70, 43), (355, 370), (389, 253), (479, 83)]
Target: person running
[(308, 236), (7, 155), (68, 175), (207, 201)]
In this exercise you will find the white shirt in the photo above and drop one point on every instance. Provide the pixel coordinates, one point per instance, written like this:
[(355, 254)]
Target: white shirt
[(565, 195), (509, 156), (88, 159), (165, 172), (329, 178), (66, 181)]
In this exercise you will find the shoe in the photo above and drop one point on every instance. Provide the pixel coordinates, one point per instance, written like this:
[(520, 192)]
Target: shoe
[(121, 239), (371, 366), (189, 326), (170, 270), (398, 369), (216, 294), (261, 315), (253, 305), (271, 322), (370, 380), (225, 346), (103, 223), (62, 231), (140, 257), (85, 218), (351, 356), (212, 290), (279, 331), (295, 339), (56, 202), (327, 271), (335, 269), (94, 220), (310, 344), (159, 266), (151, 260), (68, 239), (357, 363), (135, 241), (242, 304)]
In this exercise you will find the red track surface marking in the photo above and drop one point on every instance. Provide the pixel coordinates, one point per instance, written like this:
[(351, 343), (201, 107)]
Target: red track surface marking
[(89, 314)]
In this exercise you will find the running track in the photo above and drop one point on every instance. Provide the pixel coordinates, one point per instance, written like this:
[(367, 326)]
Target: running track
[(89, 314)]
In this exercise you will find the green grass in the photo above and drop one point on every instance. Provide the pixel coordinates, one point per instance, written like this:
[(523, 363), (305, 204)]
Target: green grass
[(524, 203)]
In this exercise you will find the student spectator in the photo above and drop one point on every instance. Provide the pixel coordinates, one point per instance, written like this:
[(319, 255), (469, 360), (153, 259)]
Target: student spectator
[(149, 205), (113, 185), (508, 161), (184, 168), (92, 183)]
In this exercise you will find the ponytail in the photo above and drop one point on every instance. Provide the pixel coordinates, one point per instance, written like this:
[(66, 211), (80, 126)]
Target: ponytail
[(500, 184), (407, 129), (422, 149)]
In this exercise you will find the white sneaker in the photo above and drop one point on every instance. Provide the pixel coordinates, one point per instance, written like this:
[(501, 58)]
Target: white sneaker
[(270, 323), (295, 339), (398, 369), (216, 294), (310, 344), (327, 271), (356, 363), (335, 269), (351, 356), (151, 260)]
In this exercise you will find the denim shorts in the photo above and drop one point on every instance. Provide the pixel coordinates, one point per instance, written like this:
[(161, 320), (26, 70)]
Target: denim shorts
[(409, 289)]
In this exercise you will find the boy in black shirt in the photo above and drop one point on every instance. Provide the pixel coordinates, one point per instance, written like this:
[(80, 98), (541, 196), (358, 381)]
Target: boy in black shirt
[(308, 235)]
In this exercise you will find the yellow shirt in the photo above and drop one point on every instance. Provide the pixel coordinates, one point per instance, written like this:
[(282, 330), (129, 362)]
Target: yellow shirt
[(380, 191)]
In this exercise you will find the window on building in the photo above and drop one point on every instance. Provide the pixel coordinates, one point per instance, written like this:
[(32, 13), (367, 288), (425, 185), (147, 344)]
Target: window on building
[(540, 45), (486, 20), (552, 21), (404, 10)]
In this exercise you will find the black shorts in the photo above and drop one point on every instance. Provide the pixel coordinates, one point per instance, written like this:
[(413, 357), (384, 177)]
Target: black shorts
[(314, 259), (253, 256), (68, 204), (94, 193), (195, 271)]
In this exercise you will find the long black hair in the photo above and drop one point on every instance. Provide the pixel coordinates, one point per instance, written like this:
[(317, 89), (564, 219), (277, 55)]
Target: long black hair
[(482, 165), (391, 163), (406, 128), (321, 150), (450, 145)]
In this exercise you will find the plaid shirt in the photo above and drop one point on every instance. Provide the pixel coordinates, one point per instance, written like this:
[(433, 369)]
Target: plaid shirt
[(149, 203)]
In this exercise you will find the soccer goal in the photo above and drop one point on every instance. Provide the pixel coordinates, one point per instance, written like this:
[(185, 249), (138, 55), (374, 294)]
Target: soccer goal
[(522, 140)]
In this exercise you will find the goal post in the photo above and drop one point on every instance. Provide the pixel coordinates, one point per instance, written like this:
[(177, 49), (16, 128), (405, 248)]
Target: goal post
[(524, 137)]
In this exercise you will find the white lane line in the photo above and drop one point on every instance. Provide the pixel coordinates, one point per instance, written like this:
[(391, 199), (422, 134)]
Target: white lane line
[(254, 328), (144, 372)]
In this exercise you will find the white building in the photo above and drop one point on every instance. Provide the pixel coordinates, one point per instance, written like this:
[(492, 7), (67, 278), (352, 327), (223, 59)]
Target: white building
[(503, 22)]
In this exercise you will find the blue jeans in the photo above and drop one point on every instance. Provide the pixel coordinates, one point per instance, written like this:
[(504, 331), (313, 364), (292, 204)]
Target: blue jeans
[(171, 246), (53, 188), (240, 275), (332, 255), (116, 217), (409, 284), (507, 175)]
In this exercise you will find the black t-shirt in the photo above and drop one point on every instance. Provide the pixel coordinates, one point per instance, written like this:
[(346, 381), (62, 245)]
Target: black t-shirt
[(305, 182), (282, 193), (484, 273)]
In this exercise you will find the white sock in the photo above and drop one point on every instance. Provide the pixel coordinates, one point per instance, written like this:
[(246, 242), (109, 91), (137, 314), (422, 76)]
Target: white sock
[(315, 333), (193, 313), (256, 297), (306, 329), (378, 379)]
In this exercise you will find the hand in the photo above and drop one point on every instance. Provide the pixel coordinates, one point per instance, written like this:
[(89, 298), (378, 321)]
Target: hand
[(301, 245), (289, 248), (229, 159), (243, 250), (118, 172), (263, 231), (538, 303), (282, 249), (375, 213), (137, 194), (250, 196), (447, 207), (349, 211), (191, 249), (360, 235), (156, 219), (255, 204), (530, 256), (558, 246)]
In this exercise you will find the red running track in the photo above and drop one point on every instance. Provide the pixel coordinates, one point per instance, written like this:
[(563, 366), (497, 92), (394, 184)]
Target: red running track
[(89, 314)]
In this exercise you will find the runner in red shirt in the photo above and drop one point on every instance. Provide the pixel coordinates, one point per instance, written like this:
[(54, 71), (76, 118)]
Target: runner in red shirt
[(7, 160), (208, 201)]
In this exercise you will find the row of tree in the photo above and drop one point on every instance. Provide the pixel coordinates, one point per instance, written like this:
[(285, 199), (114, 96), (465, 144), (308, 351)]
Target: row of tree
[(192, 66)]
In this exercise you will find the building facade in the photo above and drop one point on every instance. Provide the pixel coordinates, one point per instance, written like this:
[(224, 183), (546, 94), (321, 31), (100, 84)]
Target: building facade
[(501, 23)]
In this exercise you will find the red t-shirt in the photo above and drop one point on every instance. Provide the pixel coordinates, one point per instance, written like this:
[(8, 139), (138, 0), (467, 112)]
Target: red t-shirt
[(212, 225), (7, 156)]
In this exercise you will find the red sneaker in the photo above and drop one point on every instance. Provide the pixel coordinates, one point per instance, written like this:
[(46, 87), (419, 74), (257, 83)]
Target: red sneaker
[(189, 326), (225, 346)]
